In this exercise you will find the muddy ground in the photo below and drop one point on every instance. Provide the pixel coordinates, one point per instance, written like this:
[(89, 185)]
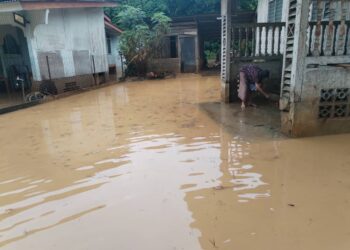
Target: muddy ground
[(163, 165)]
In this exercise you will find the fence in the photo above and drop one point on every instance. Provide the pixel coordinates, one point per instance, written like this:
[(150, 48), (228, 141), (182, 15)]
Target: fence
[(257, 40), (329, 38)]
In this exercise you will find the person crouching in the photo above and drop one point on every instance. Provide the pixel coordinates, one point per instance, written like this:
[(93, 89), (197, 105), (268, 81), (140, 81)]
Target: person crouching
[(251, 80)]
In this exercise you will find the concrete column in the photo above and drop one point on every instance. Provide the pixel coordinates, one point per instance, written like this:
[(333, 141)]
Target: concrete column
[(197, 53), (226, 8), (179, 48), (296, 62)]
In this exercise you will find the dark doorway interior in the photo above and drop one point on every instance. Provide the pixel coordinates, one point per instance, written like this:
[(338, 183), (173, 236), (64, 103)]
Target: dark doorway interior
[(188, 55), (173, 47)]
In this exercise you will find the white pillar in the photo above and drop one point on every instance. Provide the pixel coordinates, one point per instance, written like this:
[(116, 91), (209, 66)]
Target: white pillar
[(294, 61), (226, 8)]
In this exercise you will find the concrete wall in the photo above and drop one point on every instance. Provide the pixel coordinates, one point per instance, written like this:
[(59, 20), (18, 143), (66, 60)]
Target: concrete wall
[(305, 121), (73, 36), (73, 39), (165, 65), (262, 11)]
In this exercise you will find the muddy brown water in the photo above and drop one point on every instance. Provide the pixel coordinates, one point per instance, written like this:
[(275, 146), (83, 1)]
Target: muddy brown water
[(163, 165)]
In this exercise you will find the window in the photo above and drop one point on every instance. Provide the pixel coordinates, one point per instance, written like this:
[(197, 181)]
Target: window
[(173, 47), (324, 11), (275, 11), (168, 48)]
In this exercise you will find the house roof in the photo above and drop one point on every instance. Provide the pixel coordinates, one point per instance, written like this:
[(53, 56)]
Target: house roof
[(110, 26), (58, 4)]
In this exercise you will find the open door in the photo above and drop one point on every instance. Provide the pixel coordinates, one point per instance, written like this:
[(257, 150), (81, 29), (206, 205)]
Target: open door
[(188, 55)]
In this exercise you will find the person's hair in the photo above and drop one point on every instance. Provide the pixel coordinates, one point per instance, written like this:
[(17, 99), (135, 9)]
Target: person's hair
[(264, 74)]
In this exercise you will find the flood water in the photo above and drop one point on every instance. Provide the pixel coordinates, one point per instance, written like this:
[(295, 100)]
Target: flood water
[(163, 165)]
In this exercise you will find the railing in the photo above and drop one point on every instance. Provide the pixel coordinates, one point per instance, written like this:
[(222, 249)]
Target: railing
[(257, 40), (329, 38)]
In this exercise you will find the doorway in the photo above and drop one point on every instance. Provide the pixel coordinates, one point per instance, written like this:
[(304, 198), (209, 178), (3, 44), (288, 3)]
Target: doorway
[(188, 54)]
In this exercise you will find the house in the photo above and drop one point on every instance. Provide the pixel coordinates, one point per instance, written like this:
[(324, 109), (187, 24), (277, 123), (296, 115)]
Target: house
[(63, 42), (179, 52), (306, 46), (183, 49)]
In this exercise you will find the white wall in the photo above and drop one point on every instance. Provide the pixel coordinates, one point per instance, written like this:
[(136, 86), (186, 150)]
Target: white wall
[(114, 57), (263, 11), (69, 32)]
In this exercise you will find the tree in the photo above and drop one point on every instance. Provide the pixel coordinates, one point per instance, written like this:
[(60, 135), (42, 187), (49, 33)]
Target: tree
[(141, 36), (192, 7), (248, 5), (180, 7)]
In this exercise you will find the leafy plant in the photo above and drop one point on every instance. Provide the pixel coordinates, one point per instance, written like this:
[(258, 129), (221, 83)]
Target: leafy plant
[(141, 36)]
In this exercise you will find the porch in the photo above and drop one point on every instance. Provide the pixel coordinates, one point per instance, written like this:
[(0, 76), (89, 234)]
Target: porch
[(310, 70), (15, 66)]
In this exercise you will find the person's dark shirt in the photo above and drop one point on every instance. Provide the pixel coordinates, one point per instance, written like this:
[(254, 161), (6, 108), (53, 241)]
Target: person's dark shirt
[(252, 73)]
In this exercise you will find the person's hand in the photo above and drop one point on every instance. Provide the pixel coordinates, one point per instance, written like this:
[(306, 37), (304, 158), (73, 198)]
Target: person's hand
[(267, 96)]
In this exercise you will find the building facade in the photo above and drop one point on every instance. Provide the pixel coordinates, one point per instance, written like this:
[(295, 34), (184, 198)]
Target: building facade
[(62, 42)]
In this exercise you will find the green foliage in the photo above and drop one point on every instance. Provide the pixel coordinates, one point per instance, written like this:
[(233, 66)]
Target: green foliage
[(141, 36), (149, 7), (212, 49), (248, 5), (192, 7), (178, 7), (130, 17)]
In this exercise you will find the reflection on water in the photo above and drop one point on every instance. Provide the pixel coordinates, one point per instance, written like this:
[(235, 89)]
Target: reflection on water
[(151, 161)]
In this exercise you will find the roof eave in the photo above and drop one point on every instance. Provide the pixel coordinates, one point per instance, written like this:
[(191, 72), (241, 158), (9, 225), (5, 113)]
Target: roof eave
[(64, 5)]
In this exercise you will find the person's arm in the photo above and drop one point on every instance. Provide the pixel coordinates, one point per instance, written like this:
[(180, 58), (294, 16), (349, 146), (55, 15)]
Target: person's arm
[(260, 89)]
